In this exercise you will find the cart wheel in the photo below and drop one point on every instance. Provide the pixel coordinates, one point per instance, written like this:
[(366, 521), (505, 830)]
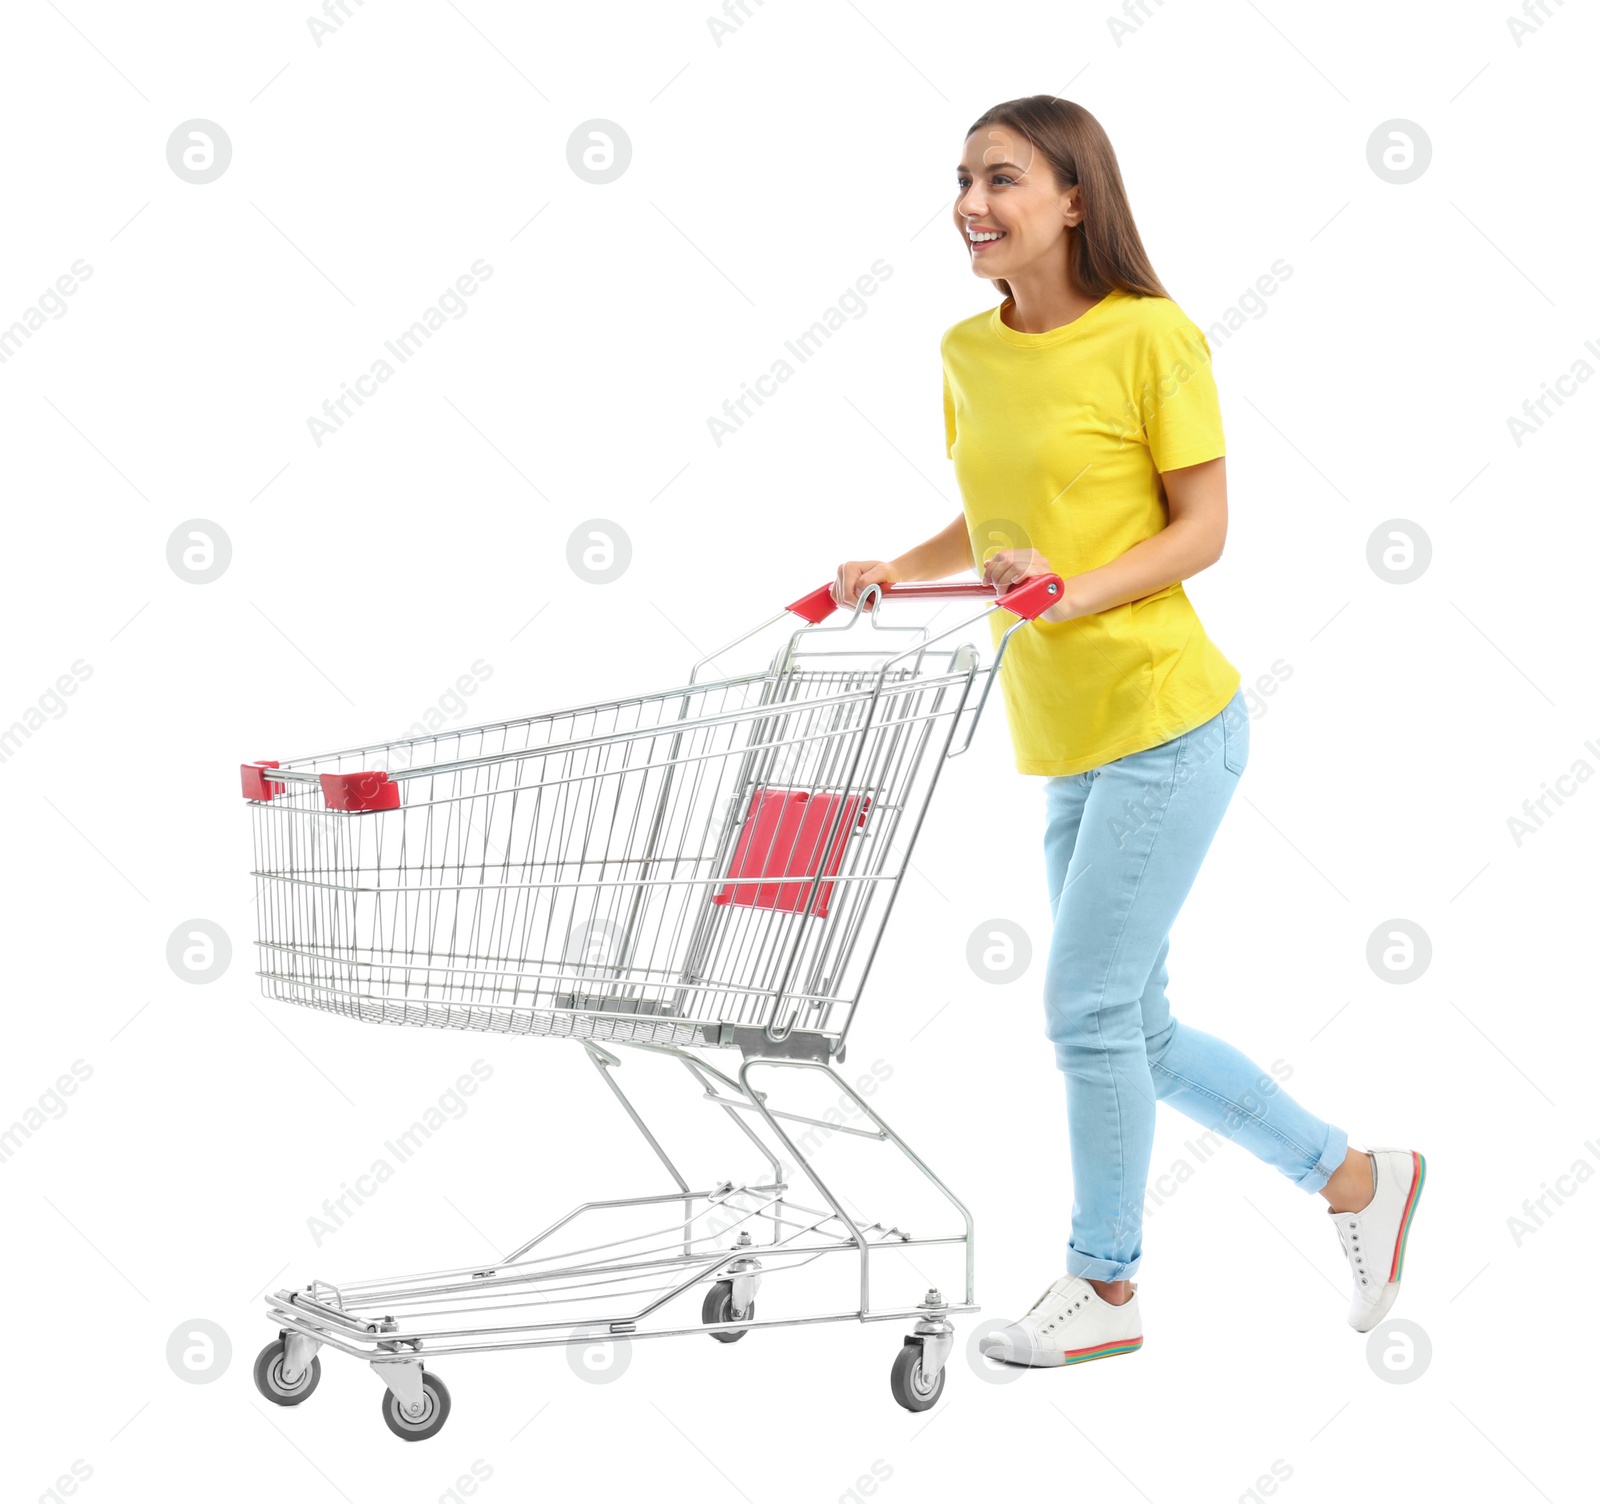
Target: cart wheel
[(909, 1385), (435, 1411), (270, 1380), (718, 1306)]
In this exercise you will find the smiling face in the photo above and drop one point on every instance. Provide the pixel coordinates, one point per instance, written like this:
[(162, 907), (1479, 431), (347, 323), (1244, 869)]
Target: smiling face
[(1010, 210)]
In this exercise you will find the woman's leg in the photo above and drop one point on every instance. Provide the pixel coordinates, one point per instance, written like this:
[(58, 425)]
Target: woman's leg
[(1208, 1080), (1125, 843)]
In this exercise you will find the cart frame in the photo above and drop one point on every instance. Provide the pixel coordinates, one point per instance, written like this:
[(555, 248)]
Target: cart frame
[(393, 1324)]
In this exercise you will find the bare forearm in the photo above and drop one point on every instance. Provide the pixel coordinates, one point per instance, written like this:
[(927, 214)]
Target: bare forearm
[(1181, 549), (948, 552)]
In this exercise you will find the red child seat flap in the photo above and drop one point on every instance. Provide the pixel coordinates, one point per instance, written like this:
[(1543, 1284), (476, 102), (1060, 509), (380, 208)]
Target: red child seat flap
[(782, 837)]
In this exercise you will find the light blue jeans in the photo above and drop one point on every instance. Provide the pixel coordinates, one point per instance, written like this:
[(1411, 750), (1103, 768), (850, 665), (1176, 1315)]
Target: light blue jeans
[(1123, 843)]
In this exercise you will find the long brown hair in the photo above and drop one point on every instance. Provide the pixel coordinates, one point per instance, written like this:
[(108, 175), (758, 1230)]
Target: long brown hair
[(1106, 249)]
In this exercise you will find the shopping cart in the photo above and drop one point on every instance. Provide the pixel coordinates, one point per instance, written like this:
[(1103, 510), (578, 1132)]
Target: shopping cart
[(708, 867)]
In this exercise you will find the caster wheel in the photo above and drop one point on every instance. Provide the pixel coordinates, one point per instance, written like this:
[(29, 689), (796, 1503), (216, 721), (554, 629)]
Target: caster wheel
[(909, 1385), (718, 1306), (270, 1380), (435, 1411)]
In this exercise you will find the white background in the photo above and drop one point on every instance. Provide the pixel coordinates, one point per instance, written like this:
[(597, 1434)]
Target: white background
[(430, 532)]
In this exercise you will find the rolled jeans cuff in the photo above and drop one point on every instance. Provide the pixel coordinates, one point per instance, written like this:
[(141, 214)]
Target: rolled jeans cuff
[(1084, 1267), (1332, 1156)]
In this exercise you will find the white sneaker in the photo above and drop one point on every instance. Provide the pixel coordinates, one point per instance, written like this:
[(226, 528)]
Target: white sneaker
[(1069, 1323), (1374, 1238)]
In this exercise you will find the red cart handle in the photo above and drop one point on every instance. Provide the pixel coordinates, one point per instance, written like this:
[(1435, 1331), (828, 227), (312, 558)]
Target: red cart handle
[(1028, 598)]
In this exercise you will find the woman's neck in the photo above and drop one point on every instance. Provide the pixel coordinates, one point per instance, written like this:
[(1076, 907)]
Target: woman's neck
[(1047, 299)]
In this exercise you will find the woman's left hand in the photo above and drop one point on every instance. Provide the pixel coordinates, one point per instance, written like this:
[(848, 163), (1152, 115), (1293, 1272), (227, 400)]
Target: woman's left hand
[(1007, 567)]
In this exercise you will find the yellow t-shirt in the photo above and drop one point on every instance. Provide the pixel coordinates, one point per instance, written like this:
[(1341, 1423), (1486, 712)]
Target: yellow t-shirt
[(1058, 441)]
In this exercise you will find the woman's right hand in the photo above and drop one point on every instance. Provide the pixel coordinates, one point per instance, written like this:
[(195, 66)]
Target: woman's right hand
[(854, 577)]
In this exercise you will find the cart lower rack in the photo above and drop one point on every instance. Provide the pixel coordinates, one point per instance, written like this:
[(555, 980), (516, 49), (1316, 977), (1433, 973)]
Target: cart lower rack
[(708, 867)]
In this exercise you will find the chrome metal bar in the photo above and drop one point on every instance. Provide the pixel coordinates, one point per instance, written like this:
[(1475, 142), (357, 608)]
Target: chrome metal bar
[(589, 1206), (587, 1337), (793, 1117), (605, 1068), (888, 1133), (698, 1070), (806, 1165)]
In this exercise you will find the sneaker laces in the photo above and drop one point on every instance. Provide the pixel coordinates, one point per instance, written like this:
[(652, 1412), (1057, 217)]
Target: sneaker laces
[(1049, 1290), (1348, 1226), (1058, 1289)]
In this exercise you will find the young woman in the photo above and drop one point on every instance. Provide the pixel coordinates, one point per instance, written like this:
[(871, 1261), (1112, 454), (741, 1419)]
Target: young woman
[(1083, 420)]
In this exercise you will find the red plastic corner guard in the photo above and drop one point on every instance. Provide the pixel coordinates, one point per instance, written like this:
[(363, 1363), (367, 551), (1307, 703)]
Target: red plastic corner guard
[(816, 607), (253, 779), (359, 791), (1033, 597)]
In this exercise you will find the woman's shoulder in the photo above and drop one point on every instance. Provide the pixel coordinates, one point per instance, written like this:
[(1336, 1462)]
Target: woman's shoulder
[(978, 323), (1158, 315)]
